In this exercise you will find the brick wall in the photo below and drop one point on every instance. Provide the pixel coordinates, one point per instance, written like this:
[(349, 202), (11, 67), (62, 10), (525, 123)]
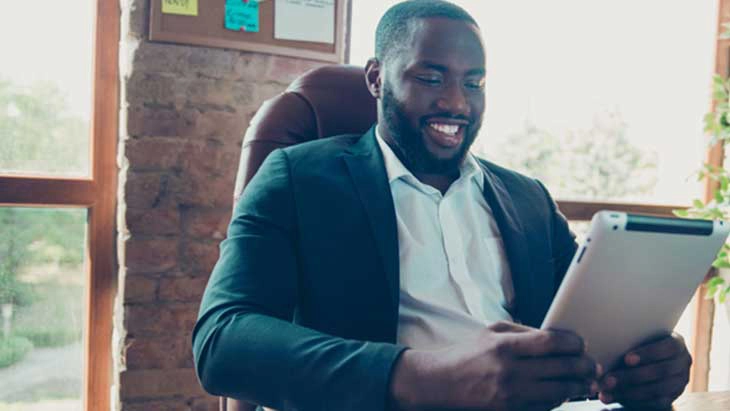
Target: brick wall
[(184, 111)]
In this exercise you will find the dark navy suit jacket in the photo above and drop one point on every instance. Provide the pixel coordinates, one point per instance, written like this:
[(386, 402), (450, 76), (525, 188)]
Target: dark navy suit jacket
[(301, 310)]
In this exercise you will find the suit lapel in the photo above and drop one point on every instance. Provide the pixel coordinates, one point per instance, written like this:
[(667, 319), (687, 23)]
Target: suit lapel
[(365, 163), (515, 244)]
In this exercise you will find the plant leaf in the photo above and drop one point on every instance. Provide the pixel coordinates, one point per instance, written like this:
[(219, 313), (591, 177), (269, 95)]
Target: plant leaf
[(681, 213)]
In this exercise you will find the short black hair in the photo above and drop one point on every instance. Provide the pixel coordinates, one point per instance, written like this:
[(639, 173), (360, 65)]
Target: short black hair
[(393, 26)]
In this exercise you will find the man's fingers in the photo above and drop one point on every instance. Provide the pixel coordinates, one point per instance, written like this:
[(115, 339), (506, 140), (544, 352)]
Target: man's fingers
[(645, 374), (662, 349), (555, 392), (670, 387), (573, 367), (506, 326), (539, 343)]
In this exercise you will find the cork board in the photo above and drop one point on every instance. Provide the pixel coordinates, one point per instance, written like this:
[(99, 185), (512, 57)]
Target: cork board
[(207, 29)]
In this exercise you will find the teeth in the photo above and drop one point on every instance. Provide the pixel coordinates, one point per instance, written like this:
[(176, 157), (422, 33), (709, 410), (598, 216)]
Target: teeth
[(449, 129)]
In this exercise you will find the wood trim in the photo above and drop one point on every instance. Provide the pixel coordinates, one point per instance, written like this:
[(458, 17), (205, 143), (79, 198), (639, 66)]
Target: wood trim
[(583, 210), (51, 192), (101, 271), (705, 309)]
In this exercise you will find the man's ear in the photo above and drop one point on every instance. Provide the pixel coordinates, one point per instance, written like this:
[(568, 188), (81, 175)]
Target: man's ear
[(373, 72)]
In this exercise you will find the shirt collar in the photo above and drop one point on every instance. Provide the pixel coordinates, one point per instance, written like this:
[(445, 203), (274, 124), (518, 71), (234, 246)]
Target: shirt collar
[(394, 168)]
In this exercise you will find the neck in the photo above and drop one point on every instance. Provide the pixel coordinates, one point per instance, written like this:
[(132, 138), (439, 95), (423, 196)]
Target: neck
[(441, 182)]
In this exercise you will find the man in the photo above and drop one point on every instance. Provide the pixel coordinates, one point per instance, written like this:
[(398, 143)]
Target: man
[(394, 270)]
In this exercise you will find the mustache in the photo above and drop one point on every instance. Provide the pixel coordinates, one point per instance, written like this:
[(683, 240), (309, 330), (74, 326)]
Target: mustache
[(449, 116)]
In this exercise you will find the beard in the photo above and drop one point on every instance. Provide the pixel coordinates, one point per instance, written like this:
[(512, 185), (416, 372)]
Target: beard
[(411, 149)]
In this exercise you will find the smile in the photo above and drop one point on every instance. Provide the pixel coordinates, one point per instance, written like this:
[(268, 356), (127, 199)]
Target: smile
[(450, 129), (446, 134)]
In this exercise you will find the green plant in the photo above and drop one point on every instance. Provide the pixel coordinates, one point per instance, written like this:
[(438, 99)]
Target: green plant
[(717, 125), (13, 291), (13, 349)]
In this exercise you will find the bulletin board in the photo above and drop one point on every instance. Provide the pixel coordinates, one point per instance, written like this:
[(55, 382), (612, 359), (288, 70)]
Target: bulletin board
[(207, 28)]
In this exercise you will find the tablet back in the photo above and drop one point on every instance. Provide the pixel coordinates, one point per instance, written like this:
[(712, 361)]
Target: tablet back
[(632, 278)]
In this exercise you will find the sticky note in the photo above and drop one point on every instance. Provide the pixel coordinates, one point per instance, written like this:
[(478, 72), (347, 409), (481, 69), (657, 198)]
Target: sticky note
[(183, 7), (305, 20), (242, 15)]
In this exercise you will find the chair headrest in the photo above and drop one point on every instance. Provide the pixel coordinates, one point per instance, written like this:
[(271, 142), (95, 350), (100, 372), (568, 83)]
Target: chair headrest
[(323, 102)]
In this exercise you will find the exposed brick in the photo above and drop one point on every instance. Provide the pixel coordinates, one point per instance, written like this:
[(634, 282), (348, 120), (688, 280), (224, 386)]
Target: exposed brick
[(222, 125), (138, 11), (285, 69), (153, 154), (186, 111), (184, 289), (205, 404), (251, 66), (151, 255), (140, 384), (160, 319), (147, 190), (217, 94), (161, 58), (154, 89), (206, 223), (154, 221), (146, 121), (199, 257), (140, 289), (158, 353), (172, 404)]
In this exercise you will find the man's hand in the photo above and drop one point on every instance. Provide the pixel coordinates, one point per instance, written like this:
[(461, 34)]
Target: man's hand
[(509, 367), (651, 376)]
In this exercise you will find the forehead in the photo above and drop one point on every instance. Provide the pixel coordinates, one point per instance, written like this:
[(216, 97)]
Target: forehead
[(449, 42)]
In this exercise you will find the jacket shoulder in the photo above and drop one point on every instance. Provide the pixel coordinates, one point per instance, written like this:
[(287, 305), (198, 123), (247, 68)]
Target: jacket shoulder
[(512, 179)]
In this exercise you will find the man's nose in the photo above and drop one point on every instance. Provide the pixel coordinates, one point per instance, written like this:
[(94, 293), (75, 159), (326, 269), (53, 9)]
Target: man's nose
[(454, 101)]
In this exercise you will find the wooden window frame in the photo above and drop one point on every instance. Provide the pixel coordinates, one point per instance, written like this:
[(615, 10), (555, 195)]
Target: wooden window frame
[(98, 195)]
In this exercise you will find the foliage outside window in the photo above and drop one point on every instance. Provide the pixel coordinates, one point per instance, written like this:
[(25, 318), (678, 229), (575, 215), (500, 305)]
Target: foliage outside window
[(717, 125)]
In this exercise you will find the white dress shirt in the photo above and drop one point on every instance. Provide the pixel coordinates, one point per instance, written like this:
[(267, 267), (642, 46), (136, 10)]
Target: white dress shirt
[(454, 275)]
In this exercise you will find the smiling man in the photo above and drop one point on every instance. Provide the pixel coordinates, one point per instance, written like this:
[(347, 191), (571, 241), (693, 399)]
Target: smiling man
[(395, 270)]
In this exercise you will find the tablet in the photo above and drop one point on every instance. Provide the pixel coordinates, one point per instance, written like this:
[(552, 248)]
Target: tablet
[(631, 280)]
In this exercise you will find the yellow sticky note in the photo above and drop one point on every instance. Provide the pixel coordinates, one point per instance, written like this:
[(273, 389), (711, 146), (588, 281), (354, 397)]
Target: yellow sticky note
[(183, 7)]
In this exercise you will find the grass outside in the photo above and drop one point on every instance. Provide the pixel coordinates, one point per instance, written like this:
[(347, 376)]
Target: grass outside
[(13, 349), (55, 318)]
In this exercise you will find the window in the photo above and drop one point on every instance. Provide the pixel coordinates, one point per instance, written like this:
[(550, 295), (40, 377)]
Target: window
[(57, 203), (603, 101)]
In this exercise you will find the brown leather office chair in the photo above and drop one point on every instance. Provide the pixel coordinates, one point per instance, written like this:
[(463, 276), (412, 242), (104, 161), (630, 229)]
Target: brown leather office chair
[(323, 102)]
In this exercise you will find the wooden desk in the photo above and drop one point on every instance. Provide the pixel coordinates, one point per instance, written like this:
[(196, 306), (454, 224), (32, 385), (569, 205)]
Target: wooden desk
[(703, 401)]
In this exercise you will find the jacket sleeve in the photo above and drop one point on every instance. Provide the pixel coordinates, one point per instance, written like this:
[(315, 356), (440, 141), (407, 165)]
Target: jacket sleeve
[(244, 343), (564, 245)]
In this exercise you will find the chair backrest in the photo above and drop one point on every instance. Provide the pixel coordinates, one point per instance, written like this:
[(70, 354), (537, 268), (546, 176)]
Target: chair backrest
[(323, 102)]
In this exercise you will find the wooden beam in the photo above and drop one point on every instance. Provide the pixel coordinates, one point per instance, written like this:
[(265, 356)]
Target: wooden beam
[(705, 309), (49, 192), (102, 267), (583, 211)]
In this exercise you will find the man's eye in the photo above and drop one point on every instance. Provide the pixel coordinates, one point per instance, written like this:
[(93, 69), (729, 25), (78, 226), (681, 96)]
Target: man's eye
[(474, 85), (429, 80)]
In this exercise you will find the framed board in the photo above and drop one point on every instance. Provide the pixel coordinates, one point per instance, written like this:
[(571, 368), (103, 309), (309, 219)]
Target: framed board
[(207, 28)]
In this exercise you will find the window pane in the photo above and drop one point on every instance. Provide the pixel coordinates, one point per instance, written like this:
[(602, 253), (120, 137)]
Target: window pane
[(42, 285), (589, 96), (45, 87)]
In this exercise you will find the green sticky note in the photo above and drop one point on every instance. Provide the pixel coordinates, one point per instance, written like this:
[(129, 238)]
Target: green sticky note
[(242, 15), (183, 7)]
